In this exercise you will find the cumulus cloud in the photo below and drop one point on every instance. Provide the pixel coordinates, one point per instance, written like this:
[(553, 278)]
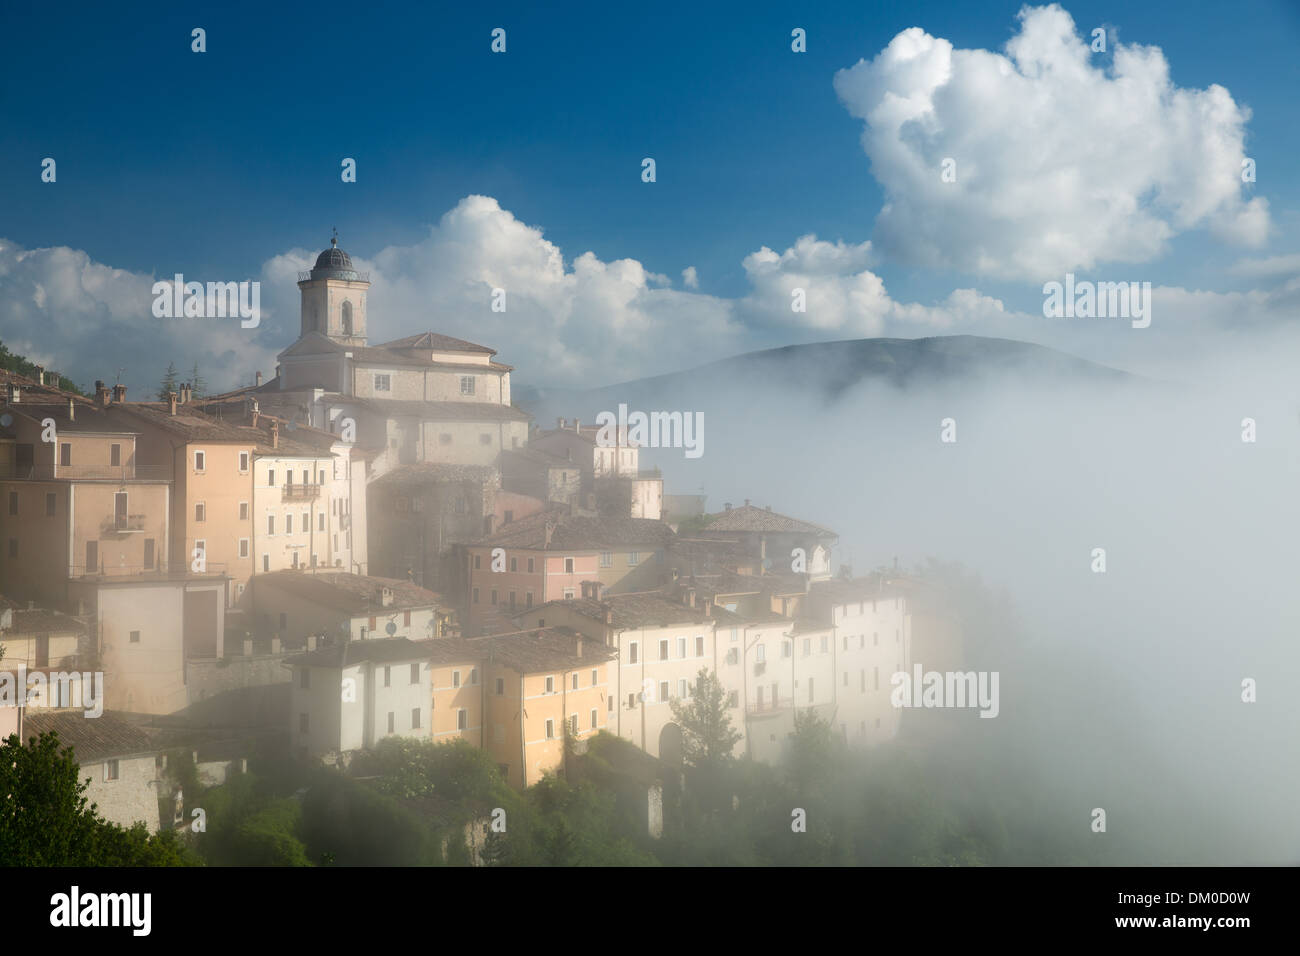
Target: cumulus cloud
[(690, 278), (86, 320), (1063, 158)]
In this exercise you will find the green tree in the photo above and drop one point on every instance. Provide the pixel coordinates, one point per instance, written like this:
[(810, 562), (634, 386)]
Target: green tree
[(170, 382), (707, 735), (46, 820), (198, 384)]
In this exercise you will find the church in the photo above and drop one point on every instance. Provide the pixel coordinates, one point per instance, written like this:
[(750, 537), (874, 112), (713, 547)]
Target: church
[(425, 398)]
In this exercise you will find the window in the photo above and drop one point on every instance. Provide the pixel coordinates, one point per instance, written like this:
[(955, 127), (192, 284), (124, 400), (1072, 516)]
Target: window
[(200, 461), (568, 565), (826, 643), (501, 686), (733, 655), (110, 769), (467, 384), (735, 633), (388, 680), (663, 649), (607, 559), (594, 717), (550, 729), (733, 699), (13, 502), (304, 679), (682, 690), (243, 462), (846, 678), (633, 651), (478, 562), (875, 678), (306, 521), (322, 476), (201, 546), (594, 678), (528, 599), (530, 565), (243, 547), (266, 562), (760, 653), (785, 648), (415, 673), (455, 678), (415, 718), (699, 645), (574, 682), (288, 524), (320, 525), (550, 685), (681, 647), (51, 502), (494, 595), (200, 511), (270, 524), (514, 565), (846, 642), (633, 558), (115, 454), (807, 646), (663, 690), (462, 719), (476, 595), (631, 701), (573, 724), (65, 454), (270, 477), (135, 637), (383, 383), (243, 511), (570, 594), (390, 721), (148, 553), (610, 703)]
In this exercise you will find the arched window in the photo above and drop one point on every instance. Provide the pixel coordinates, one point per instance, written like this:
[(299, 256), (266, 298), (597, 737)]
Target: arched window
[(347, 318)]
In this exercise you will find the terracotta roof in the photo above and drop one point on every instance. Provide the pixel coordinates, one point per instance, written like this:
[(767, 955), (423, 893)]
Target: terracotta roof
[(88, 417), (579, 533), (642, 609), (387, 650), (355, 594), (41, 621), (93, 739), (188, 422), (853, 590), (545, 649), (431, 473), (750, 518)]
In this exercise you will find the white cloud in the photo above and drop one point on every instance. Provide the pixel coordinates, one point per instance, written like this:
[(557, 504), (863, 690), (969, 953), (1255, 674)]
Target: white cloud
[(1272, 267), (1062, 161), (86, 320), (690, 278)]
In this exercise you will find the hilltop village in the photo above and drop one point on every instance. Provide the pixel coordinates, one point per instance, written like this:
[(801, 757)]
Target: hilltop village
[(376, 542)]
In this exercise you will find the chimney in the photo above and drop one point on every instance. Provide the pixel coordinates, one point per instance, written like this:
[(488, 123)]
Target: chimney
[(576, 425), (119, 394), (40, 375), (72, 410), (579, 648), (609, 615), (257, 379), (690, 597), (171, 404), (101, 394), (769, 507), (708, 608), (275, 433), (559, 423), (726, 506), (13, 393)]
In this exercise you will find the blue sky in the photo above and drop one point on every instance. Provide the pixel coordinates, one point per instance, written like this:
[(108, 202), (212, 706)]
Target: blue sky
[(214, 164)]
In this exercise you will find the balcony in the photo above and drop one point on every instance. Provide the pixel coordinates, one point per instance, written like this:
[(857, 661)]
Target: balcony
[(123, 524), (292, 492)]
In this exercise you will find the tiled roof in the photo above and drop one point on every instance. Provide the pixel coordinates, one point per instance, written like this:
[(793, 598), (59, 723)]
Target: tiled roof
[(437, 343), (545, 649), (431, 473), (642, 609), (93, 739), (40, 621), (387, 650), (296, 439), (355, 594), (750, 518), (539, 457), (188, 422), (852, 590), (579, 533), (88, 417)]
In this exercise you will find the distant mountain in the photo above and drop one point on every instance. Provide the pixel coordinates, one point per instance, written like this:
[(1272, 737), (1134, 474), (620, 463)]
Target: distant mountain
[(830, 369)]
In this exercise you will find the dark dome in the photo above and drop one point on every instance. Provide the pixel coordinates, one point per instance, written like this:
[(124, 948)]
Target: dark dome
[(333, 263)]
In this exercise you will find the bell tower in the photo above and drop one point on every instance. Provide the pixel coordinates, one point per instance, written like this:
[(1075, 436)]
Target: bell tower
[(334, 297)]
